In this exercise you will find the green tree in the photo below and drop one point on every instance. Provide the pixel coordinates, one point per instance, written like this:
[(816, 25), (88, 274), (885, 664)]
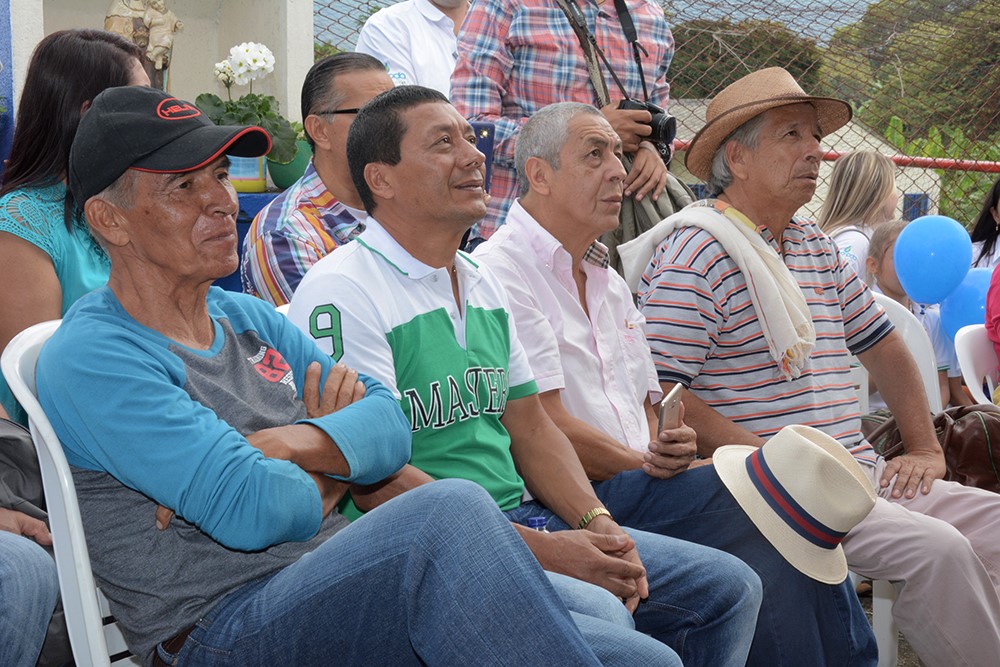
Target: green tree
[(927, 62), (926, 74), (712, 54), (962, 191)]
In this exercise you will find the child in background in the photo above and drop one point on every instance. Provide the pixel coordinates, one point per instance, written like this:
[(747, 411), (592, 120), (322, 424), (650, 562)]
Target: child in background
[(882, 270)]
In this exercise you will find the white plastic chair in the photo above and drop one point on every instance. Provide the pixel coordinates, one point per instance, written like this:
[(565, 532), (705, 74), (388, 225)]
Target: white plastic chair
[(95, 637), (917, 341), (919, 345), (978, 360)]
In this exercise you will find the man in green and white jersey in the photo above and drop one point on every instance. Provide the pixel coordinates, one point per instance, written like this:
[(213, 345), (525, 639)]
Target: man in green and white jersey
[(401, 304)]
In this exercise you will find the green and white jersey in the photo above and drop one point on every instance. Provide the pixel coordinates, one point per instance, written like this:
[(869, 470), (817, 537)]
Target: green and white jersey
[(379, 310)]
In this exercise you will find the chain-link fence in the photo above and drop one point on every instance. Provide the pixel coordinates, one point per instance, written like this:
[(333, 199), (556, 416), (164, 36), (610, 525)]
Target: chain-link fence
[(923, 76)]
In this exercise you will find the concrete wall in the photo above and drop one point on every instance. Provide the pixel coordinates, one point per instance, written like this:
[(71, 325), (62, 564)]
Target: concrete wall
[(211, 27), (26, 18)]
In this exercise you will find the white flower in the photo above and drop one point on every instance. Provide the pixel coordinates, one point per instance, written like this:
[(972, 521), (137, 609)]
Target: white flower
[(251, 61), (224, 73), (241, 78), (247, 62), (260, 60)]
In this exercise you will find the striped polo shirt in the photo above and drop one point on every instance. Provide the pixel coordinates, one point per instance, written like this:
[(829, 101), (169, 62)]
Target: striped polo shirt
[(302, 225), (704, 332)]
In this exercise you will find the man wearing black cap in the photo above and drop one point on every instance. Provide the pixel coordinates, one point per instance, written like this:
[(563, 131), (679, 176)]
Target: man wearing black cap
[(166, 391)]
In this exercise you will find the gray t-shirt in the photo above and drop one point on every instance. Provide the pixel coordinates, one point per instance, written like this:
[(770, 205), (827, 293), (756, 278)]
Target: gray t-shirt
[(164, 581)]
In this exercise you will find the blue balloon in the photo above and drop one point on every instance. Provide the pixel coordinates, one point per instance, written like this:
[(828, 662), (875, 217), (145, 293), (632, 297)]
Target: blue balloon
[(967, 303), (932, 256)]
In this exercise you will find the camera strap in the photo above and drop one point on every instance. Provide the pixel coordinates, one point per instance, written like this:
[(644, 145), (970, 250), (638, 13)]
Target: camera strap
[(589, 44), (590, 51), (628, 27)]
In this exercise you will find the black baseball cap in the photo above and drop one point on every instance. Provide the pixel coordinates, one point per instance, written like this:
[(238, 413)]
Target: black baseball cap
[(135, 127)]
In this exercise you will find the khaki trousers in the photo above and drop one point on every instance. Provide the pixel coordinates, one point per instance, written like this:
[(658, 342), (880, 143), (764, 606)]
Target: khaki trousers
[(942, 553)]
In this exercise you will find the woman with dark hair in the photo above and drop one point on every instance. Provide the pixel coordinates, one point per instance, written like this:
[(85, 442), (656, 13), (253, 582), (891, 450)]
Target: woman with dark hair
[(49, 258), (985, 251)]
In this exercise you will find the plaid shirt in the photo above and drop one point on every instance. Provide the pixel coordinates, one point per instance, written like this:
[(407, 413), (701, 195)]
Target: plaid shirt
[(517, 56), (298, 228)]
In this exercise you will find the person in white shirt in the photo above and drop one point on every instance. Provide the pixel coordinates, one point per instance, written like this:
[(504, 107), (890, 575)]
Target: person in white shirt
[(416, 40)]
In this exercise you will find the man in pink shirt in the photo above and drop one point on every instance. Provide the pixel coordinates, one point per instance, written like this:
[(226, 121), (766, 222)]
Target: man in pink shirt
[(585, 342)]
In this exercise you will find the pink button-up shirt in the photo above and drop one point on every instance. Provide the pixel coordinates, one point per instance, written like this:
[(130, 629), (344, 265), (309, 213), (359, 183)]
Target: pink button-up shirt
[(601, 365)]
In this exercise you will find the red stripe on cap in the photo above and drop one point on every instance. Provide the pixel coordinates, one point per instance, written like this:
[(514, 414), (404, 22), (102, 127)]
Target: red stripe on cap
[(789, 510), (214, 155)]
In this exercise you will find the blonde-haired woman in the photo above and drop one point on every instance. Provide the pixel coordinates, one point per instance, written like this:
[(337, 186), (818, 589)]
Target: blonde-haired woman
[(862, 195)]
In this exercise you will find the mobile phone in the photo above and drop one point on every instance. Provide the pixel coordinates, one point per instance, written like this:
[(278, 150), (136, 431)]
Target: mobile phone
[(485, 135), (670, 408)]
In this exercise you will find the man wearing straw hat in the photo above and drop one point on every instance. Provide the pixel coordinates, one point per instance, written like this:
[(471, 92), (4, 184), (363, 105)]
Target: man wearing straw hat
[(756, 314)]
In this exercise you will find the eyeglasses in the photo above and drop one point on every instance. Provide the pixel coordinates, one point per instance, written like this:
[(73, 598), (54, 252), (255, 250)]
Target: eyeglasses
[(335, 111)]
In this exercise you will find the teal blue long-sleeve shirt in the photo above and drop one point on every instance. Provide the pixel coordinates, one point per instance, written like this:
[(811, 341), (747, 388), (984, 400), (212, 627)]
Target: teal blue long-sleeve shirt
[(126, 400)]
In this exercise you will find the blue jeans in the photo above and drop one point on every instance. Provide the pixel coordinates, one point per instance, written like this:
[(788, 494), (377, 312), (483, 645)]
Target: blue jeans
[(801, 621), (608, 627), (28, 592), (435, 576), (702, 602)]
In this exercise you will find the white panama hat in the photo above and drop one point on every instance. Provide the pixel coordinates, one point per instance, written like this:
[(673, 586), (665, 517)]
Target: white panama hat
[(804, 491)]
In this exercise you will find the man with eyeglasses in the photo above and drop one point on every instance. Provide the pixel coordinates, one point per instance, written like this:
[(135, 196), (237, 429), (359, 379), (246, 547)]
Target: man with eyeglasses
[(321, 210)]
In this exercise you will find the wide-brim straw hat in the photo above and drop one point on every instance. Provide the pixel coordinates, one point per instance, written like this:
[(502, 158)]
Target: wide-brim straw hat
[(804, 491), (751, 96)]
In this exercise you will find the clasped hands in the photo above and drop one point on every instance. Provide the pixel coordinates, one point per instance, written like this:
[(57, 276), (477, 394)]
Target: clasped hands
[(602, 554)]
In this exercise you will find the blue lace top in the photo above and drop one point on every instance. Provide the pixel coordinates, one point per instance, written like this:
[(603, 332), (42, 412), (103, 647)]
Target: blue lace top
[(35, 214)]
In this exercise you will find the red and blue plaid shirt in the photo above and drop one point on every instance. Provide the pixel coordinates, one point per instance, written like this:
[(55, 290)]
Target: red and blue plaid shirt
[(517, 56)]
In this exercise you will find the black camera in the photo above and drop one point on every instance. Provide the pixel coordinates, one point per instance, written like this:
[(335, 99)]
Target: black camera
[(664, 125)]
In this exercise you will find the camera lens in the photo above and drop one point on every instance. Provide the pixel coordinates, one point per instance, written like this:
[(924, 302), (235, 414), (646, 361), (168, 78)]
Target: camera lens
[(664, 128), (664, 125)]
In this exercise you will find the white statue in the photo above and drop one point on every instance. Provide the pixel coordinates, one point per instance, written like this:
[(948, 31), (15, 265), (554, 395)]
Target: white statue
[(124, 17), (149, 25), (162, 24)]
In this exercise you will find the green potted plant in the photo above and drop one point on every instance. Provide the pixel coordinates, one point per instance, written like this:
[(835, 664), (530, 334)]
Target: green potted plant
[(285, 174), (246, 63)]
